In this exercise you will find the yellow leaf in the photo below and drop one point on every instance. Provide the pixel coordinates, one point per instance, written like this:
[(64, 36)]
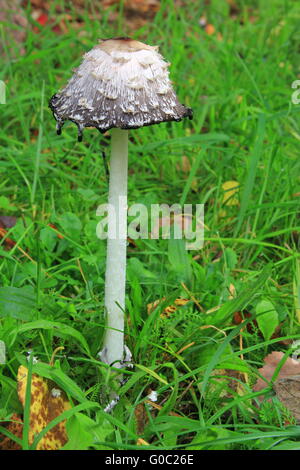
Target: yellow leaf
[(47, 402), (231, 188), (142, 442), (169, 309)]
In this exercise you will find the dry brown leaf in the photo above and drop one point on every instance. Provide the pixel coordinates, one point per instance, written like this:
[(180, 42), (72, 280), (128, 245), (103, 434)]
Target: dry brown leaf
[(210, 29), (169, 309), (290, 368), (141, 418), (232, 291), (8, 242), (184, 164), (7, 221), (288, 392), (15, 426), (138, 6), (47, 402)]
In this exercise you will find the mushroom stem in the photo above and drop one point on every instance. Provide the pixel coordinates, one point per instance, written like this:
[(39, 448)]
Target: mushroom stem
[(115, 275)]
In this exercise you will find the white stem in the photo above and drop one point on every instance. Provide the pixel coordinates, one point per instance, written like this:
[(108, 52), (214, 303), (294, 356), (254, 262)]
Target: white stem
[(115, 276)]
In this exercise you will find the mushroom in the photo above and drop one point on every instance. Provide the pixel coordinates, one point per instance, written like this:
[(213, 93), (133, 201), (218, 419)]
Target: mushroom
[(121, 84)]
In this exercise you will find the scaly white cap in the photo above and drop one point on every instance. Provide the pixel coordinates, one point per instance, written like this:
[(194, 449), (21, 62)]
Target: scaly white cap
[(120, 83)]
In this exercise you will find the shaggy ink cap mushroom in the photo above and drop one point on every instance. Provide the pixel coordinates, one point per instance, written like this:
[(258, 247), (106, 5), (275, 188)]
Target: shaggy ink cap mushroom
[(121, 83)]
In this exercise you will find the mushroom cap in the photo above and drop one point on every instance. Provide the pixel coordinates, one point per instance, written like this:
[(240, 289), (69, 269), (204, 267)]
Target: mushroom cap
[(120, 83)]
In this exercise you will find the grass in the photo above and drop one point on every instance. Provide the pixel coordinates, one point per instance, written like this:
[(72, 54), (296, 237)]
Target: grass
[(245, 129)]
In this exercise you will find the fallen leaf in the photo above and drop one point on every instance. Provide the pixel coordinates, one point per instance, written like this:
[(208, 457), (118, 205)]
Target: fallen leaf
[(137, 6), (184, 164), (210, 29), (239, 317), (42, 19), (142, 442), (169, 309), (15, 426), (288, 392), (8, 242), (232, 291), (7, 221), (231, 188), (291, 367), (141, 418), (47, 402)]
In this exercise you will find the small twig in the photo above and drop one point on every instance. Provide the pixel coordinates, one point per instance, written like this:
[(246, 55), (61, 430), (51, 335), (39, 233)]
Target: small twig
[(60, 348), (185, 347), (192, 297), (212, 326), (105, 164), (81, 271)]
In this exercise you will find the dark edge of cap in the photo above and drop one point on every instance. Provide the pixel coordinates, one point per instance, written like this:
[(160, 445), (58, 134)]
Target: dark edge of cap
[(188, 113), (120, 38)]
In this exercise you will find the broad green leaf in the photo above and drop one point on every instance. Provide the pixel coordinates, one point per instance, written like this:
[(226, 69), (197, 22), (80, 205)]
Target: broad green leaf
[(6, 205), (17, 302), (230, 258), (61, 379), (267, 318), (137, 268), (169, 438), (58, 329), (180, 260), (9, 400), (88, 194), (101, 430), (83, 432), (200, 441), (48, 238), (70, 224), (287, 445), (78, 431), (226, 359)]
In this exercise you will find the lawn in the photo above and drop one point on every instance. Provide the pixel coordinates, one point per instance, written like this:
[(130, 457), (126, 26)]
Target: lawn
[(199, 323)]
